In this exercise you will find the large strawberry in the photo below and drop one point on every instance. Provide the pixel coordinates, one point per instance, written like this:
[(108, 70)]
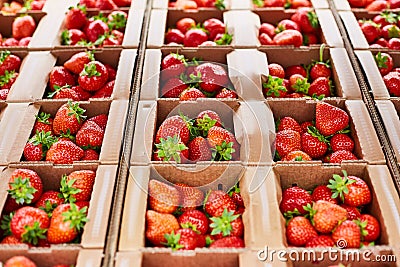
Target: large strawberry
[(370, 227), (294, 199), (8, 62), (306, 19), (64, 92), (163, 198), (64, 152), (326, 216), (185, 238), (213, 77), (158, 225), (199, 150), (78, 185), (49, 200), (217, 201), (341, 155), (191, 197), (77, 62), (23, 26), (25, 186), (347, 233), (93, 76), (75, 17), (174, 125), (60, 77), (321, 86), (330, 119), (90, 135), (228, 224), (228, 242), (287, 141), (37, 146), (299, 231), (195, 220), (313, 143), (69, 117), (223, 144)]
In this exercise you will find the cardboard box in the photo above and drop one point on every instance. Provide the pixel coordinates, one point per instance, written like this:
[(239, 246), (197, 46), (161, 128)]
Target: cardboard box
[(240, 64), (40, 64), (245, 120), (330, 34), (56, 255), (95, 230), (367, 147), (13, 143), (344, 79)]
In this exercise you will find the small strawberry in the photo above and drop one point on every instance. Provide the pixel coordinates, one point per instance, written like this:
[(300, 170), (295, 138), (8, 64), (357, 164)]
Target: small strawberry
[(322, 192), (276, 70), (191, 94), (223, 144), (173, 88), (191, 197), (25, 186), (297, 155), (23, 26), (352, 212), (349, 232), (299, 84), (392, 82), (112, 72), (159, 224), (16, 261), (294, 199), (320, 241), (8, 79), (313, 143), (194, 37), (75, 17), (342, 142), (195, 220), (304, 126), (326, 216), (370, 228), (340, 155), (174, 125), (286, 142), (163, 198), (90, 135), (234, 193), (226, 93), (117, 20), (82, 94), (90, 154), (94, 29), (68, 117), (330, 119), (384, 62), (320, 87), (106, 91), (60, 77), (64, 92), (217, 201), (64, 152), (320, 68), (295, 69), (274, 87), (174, 36), (213, 77), (299, 231), (184, 238), (72, 37), (100, 120), (48, 201), (77, 62), (288, 123), (78, 185), (37, 146), (93, 76), (171, 149), (228, 224), (199, 150), (228, 242)]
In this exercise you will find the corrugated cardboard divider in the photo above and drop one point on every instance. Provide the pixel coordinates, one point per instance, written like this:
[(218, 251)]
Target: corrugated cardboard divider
[(128, 259), (245, 120), (367, 146), (134, 25), (342, 5), (353, 29), (94, 232)]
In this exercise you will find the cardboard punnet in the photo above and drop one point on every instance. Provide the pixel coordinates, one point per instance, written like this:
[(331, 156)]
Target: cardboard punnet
[(344, 79), (240, 64), (94, 232), (367, 147), (330, 34), (110, 149), (245, 121), (40, 64)]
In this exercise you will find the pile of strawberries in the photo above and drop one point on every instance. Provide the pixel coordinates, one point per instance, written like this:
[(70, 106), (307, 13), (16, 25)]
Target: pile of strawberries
[(313, 80), (282, 3), (203, 138), (105, 4), (95, 31), (195, 4), (67, 138), (175, 219), (39, 218), (13, 7), (16, 261), (189, 33), (189, 80), (81, 77), (330, 215), (391, 75), (9, 68), (375, 5), (23, 28), (325, 139), (382, 31), (301, 29)]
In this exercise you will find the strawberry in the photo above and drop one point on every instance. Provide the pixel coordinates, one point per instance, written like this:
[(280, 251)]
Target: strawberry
[(25, 186), (370, 228), (213, 77), (321, 86), (112, 72), (123, 3), (8, 62), (172, 65), (352, 212), (199, 150), (274, 87), (265, 39), (117, 20), (276, 70), (207, 119), (88, 3), (295, 69), (390, 31), (64, 152), (163, 198), (68, 117), (11, 240), (77, 62), (320, 241), (195, 220), (287, 141), (310, 39), (172, 126), (23, 27), (392, 82), (43, 122), (64, 92), (294, 199), (349, 232), (95, 29), (100, 120), (326, 216), (330, 119), (106, 91), (49, 200), (174, 36), (377, 6), (297, 155), (171, 149), (226, 93), (306, 19), (352, 190), (384, 62), (191, 197), (227, 224), (217, 201), (37, 146), (322, 192), (93, 76), (185, 238), (394, 44), (340, 155), (191, 94), (72, 37), (106, 5), (29, 224), (269, 29), (66, 222), (8, 79), (78, 185), (299, 84), (313, 143), (234, 193), (286, 24), (342, 142), (228, 242), (60, 76), (173, 88), (185, 24), (288, 123), (90, 154), (299, 231), (90, 135), (159, 224), (75, 17), (16, 261), (11, 205), (10, 42), (289, 37), (224, 145), (371, 31)]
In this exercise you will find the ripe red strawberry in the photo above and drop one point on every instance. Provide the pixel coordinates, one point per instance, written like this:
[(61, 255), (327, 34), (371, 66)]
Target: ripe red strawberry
[(100, 120), (223, 144), (66, 222), (159, 224), (228, 224), (8, 62), (330, 119), (75, 17), (342, 142), (268, 29), (77, 62), (194, 37), (37, 146), (90, 135), (117, 20), (370, 227), (43, 122), (297, 155), (390, 31), (340, 155), (48, 201), (207, 119), (19, 261), (25, 186), (8, 79), (289, 37), (286, 24), (384, 62), (265, 39), (320, 241), (72, 37), (213, 77), (371, 31), (23, 27), (352, 190), (88, 3), (287, 141), (310, 39), (288, 123), (64, 92), (276, 70), (185, 24), (191, 197), (64, 152), (173, 88), (322, 192), (392, 82), (226, 93), (299, 231), (191, 94), (106, 91), (306, 19), (95, 29), (314, 144), (199, 150), (185, 238), (93, 76), (69, 117), (274, 87), (60, 77), (163, 198), (217, 201), (172, 126), (327, 216), (90, 154), (10, 42), (174, 36), (172, 65), (195, 220), (295, 69), (352, 212), (304, 126), (228, 242), (78, 185), (321, 86), (112, 72), (349, 232), (11, 240), (294, 199), (234, 193), (106, 5), (29, 224)]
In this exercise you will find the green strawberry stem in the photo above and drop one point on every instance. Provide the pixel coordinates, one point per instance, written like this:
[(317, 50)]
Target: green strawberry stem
[(301, 86), (170, 148), (204, 124), (234, 189), (6, 78), (258, 3), (5, 224), (43, 117), (223, 224), (22, 190), (223, 152), (76, 217), (220, 4), (90, 70), (190, 226), (3, 55), (57, 89), (65, 38), (313, 19), (226, 39), (315, 133), (118, 22), (101, 17), (75, 110), (67, 190), (173, 241), (48, 208), (290, 214), (32, 234), (274, 86), (311, 212), (363, 228), (67, 134), (339, 185), (381, 61), (46, 139)]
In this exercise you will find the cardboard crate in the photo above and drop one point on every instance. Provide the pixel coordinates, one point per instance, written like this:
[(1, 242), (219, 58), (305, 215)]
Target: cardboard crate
[(95, 230), (366, 143), (240, 65), (40, 64), (56, 255), (13, 143), (385, 206), (245, 121), (329, 35)]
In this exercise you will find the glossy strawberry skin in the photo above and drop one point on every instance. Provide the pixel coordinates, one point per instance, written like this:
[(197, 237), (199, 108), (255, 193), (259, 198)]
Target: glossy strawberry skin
[(287, 141), (349, 232), (159, 224), (289, 37), (172, 126), (34, 179), (320, 241), (299, 231), (322, 192), (90, 135), (341, 155), (373, 229), (313, 146), (95, 29), (23, 27), (217, 201), (194, 38), (163, 198), (60, 76), (27, 216), (51, 197), (213, 77), (288, 123), (83, 181), (75, 18), (191, 94), (64, 152), (94, 79), (228, 242), (194, 219), (342, 142), (330, 119), (77, 62), (173, 88), (9, 62), (191, 197), (294, 198)]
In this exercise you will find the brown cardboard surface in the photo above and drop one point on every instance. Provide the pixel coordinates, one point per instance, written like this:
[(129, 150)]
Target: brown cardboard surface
[(354, 31), (251, 257), (94, 233), (246, 121), (344, 78), (128, 259), (367, 146)]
